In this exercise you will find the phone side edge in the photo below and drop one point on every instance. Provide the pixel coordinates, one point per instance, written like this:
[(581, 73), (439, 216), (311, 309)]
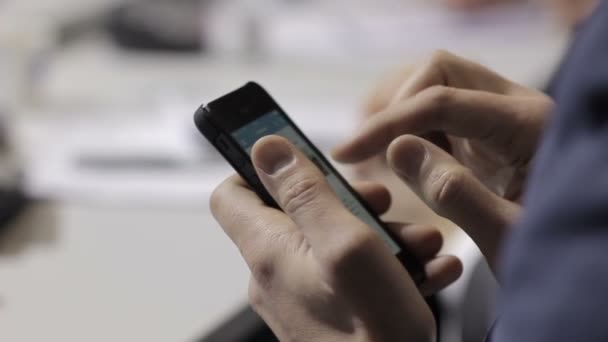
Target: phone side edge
[(204, 125)]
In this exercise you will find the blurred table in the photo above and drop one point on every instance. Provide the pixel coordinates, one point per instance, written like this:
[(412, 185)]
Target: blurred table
[(115, 259), (73, 272)]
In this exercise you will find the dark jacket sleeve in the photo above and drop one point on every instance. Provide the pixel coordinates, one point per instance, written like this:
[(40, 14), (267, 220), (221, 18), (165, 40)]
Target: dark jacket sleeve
[(555, 269)]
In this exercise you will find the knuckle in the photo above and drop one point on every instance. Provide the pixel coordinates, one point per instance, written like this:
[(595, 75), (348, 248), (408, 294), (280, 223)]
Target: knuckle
[(437, 100), (224, 210), (263, 270), (439, 56), (351, 252), (300, 194), (439, 96), (448, 186), (217, 199), (254, 295)]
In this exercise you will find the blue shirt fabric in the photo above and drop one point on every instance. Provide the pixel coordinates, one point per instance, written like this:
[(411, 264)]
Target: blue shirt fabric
[(555, 265)]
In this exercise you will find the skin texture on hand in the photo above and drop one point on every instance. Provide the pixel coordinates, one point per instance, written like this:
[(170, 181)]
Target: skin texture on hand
[(488, 129), (318, 272)]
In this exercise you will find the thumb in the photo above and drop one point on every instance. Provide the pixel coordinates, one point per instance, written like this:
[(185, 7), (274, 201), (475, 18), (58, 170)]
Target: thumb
[(452, 191), (300, 189)]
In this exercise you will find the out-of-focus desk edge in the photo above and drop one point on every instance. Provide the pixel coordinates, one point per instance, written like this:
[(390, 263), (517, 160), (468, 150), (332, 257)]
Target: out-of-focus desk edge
[(12, 204)]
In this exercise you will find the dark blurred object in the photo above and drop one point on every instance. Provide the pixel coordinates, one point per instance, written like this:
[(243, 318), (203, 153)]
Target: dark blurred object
[(12, 203), (158, 25), (12, 199), (3, 134), (247, 326), (76, 29)]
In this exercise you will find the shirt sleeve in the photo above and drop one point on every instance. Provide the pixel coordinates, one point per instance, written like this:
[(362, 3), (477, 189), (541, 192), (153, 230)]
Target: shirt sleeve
[(555, 287), (555, 271)]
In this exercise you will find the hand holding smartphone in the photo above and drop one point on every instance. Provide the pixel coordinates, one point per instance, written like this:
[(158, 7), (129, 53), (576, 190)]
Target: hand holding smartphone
[(233, 124)]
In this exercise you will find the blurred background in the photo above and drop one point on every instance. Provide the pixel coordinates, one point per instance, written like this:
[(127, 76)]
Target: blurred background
[(105, 233)]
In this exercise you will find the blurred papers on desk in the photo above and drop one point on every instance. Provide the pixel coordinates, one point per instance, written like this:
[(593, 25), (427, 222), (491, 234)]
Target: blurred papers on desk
[(142, 159)]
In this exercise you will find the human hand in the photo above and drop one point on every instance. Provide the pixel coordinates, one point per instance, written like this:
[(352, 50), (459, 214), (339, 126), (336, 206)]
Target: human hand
[(490, 126), (318, 272)]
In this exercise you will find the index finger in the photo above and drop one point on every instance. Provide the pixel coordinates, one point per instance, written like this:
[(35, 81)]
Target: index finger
[(459, 112)]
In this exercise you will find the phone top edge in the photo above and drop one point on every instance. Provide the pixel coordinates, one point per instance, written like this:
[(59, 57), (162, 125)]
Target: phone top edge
[(236, 94), (240, 107)]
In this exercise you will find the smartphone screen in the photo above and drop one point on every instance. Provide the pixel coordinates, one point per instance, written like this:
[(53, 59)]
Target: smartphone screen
[(275, 123)]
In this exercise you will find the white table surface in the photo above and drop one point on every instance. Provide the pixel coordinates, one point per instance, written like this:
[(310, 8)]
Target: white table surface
[(79, 273)]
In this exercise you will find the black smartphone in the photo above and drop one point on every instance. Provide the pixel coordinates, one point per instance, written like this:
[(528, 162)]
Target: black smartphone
[(234, 122)]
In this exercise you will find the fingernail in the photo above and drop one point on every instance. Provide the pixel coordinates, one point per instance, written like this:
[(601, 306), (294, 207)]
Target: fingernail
[(274, 157), (409, 160)]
